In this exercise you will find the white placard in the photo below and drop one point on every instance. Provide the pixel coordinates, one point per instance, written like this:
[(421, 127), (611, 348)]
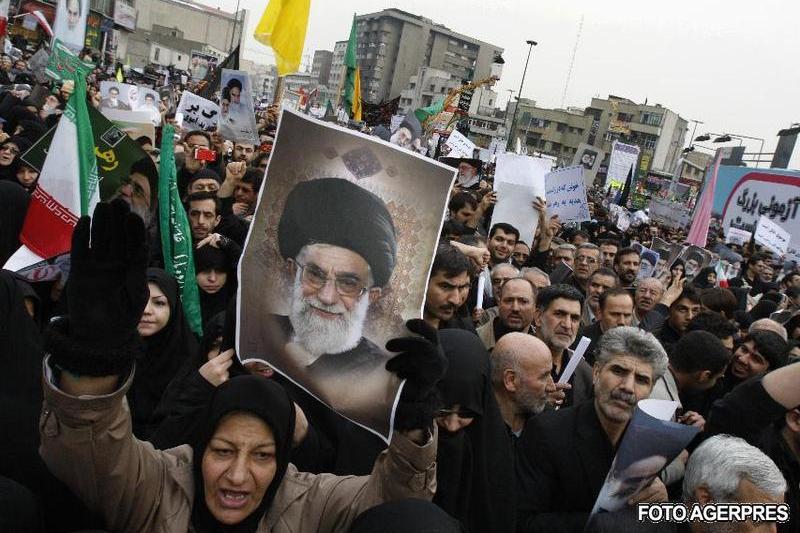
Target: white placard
[(738, 236), (565, 191), (522, 170), (623, 159), (237, 121), (515, 206), (772, 236), (195, 112), (459, 145), (576, 358)]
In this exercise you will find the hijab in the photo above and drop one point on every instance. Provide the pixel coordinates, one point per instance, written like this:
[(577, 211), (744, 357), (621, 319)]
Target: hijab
[(264, 399), (9, 172), (405, 516), (165, 353), (208, 257), (474, 466), (701, 280), (13, 208)]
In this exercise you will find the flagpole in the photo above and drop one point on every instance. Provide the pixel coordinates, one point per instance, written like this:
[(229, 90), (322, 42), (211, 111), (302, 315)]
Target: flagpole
[(235, 25)]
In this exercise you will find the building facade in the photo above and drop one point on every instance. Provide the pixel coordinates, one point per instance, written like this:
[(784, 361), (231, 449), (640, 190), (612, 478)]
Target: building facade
[(394, 45)]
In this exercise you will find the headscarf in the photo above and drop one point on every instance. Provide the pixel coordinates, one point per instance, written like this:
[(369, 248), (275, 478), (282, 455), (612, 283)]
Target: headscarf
[(264, 399), (208, 257), (9, 172), (701, 278), (474, 466), (166, 351), (13, 208), (405, 516)]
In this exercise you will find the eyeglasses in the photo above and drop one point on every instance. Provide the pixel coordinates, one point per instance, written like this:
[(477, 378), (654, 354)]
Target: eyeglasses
[(138, 190), (586, 259), (14, 150), (346, 285)]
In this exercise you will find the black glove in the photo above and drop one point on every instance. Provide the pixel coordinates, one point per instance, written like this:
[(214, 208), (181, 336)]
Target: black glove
[(422, 364), (106, 294)]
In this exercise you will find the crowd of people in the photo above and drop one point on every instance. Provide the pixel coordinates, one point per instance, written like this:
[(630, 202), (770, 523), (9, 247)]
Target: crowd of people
[(119, 418)]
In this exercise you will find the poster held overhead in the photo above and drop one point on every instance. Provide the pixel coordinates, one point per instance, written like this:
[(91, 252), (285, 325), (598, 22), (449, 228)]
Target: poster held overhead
[(566, 194), (772, 236), (336, 260), (70, 24), (237, 121), (196, 113), (623, 159)]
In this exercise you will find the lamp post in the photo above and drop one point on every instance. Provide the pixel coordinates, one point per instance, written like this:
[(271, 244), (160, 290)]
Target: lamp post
[(531, 44), (694, 130)]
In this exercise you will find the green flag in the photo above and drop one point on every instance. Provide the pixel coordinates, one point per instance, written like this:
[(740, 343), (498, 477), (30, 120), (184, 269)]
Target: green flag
[(115, 152), (350, 64), (64, 64), (176, 235), (424, 113)]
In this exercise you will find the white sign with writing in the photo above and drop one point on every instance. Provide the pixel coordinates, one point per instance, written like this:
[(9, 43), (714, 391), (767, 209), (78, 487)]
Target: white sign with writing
[(670, 214), (459, 145), (195, 112), (566, 194), (772, 236), (738, 236), (623, 159)]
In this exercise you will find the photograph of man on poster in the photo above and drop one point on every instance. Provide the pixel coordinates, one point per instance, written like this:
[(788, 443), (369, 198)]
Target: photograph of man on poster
[(70, 24), (336, 261)]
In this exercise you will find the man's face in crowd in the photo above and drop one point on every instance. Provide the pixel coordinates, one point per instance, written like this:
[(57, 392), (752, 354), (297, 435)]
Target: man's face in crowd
[(534, 382), (446, 294), (607, 254), (501, 245), (792, 281), (580, 239), (748, 361), (520, 254), (648, 293), (598, 284), (618, 311), (563, 255), (628, 268), (516, 305), (586, 262), (537, 280), (754, 269), (682, 312), (619, 384), (203, 218), (212, 280), (558, 325), (464, 214), (136, 191), (500, 274), (190, 145), (746, 493), (331, 295), (767, 273), (245, 194), (244, 152), (204, 185), (6, 63)]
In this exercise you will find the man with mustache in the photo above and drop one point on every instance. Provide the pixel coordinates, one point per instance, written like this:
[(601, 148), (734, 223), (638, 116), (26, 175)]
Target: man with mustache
[(515, 303), (600, 281), (615, 309), (557, 318), (587, 261), (564, 456), (340, 257), (648, 293)]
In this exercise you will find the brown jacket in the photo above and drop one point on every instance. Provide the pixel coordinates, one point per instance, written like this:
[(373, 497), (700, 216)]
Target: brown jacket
[(87, 443)]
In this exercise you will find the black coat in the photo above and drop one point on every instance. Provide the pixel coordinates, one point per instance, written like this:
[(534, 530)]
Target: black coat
[(562, 462), (593, 332)]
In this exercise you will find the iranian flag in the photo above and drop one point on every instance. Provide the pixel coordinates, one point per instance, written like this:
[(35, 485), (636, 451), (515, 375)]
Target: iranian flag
[(67, 188)]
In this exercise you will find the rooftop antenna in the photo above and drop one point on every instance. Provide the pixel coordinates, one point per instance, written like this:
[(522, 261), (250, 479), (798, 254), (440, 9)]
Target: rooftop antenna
[(572, 62)]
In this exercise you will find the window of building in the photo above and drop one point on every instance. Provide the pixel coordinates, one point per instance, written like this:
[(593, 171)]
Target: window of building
[(156, 54), (652, 119), (650, 143), (179, 57), (561, 127)]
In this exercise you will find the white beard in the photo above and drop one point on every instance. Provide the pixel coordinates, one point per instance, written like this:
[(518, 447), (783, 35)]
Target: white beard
[(326, 336)]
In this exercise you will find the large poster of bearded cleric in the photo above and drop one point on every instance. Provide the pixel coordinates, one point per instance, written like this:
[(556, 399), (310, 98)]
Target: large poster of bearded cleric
[(337, 259)]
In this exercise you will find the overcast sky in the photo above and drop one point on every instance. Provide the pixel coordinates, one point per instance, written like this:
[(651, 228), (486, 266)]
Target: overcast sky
[(731, 64)]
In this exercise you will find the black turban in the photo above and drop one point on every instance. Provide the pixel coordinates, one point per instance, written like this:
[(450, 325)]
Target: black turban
[(340, 213)]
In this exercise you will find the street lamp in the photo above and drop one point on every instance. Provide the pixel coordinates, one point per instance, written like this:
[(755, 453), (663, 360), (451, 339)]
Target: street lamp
[(531, 44)]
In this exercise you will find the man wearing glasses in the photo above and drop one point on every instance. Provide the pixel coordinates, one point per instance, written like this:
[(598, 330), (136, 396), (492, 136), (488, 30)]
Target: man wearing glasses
[(339, 246), (587, 261)]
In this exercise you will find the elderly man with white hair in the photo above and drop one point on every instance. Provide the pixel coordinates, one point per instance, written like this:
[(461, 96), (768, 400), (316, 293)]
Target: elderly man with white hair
[(725, 469)]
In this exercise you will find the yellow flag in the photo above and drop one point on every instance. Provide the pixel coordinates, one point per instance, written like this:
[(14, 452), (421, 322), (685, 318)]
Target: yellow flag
[(356, 111), (119, 76), (283, 27)]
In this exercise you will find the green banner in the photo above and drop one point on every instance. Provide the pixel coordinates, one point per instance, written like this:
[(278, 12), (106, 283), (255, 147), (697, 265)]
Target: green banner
[(115, 152), (176, 234), (64, 64)]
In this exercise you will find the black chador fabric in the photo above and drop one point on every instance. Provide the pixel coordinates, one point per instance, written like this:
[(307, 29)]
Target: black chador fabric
[(474, 466), (262, 398), (165, 352), (208, 257), (406, 516), (13, 207)]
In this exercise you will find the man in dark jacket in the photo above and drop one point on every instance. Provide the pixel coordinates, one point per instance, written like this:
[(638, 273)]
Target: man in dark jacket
[(564, 456)]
